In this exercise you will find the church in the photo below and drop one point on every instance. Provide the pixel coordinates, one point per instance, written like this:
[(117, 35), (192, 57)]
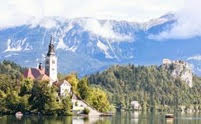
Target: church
[(49, 73)]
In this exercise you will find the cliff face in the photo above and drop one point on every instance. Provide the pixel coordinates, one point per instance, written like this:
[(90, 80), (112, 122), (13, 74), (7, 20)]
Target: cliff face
[(179, 69)]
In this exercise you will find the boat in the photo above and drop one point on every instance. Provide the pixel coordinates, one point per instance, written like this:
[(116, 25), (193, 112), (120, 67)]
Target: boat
[(169, 116), (18, 115)]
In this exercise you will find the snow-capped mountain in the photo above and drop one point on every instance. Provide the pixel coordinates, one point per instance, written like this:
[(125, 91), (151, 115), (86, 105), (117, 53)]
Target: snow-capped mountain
[(87, 45)]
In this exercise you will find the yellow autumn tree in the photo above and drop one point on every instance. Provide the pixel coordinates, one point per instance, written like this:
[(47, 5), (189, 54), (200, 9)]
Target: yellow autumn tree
[(73, 80)]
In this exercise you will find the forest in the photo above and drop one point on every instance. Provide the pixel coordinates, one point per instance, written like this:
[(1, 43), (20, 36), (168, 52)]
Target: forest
[(152, 86)]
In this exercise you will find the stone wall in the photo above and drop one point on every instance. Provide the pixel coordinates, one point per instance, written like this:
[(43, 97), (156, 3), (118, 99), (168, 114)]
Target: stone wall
[(79, 105)]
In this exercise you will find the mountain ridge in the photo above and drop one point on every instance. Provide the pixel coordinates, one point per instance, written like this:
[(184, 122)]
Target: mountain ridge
[(87, 45)]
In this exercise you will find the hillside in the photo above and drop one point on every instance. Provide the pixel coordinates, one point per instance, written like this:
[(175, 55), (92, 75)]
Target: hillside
[(11, 69), (87, 45), (150, 85)]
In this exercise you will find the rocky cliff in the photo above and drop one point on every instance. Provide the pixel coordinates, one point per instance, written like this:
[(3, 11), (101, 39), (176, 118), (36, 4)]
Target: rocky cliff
[(179, 69)]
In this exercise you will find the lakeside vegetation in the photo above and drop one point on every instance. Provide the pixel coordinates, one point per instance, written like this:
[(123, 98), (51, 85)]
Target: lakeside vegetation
[(31, 96), (152, 86)]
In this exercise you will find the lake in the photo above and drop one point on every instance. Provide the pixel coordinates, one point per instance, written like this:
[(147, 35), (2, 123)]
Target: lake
[(118, 118)]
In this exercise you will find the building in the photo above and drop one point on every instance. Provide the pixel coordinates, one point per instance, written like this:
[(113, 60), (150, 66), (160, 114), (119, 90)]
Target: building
[(179, 69), (167, 61), (49, 73), (64, 87), (36, 73), (51, 63), (135, 105)]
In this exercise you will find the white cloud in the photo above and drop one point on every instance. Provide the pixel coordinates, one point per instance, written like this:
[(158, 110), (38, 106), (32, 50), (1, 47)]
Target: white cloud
[(104, 30), (188, 23), (197, 58), (18, 12), (48, 23)]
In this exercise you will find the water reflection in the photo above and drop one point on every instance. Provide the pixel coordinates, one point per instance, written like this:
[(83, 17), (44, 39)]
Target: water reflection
[(169, 121), (118, 118)]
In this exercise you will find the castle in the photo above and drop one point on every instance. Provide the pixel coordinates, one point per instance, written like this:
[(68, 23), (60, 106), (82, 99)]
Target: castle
[(179, 69), (49, 73)]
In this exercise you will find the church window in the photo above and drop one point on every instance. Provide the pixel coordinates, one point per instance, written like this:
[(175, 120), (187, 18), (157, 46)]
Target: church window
[(53, 62), (47, 70)]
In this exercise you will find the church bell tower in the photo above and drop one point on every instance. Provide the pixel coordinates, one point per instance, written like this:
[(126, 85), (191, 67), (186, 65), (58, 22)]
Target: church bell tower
[(51, 63)]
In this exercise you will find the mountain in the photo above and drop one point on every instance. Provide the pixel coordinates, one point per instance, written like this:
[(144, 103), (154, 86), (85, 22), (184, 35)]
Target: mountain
[(87, 45)]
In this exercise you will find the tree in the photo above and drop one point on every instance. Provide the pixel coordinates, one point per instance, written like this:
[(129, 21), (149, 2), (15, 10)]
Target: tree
[(26, 86), (67, 106), (73, 80), (83, 88), (2, 101), (44, 98), (98, 99), (15, 103)]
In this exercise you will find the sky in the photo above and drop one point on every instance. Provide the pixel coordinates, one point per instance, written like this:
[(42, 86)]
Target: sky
[(18, 12), (188, 22)]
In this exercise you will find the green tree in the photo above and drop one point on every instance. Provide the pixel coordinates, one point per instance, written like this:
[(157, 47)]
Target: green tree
[(83, 88), (2, 101), (26, 86), (67, 106), (15, 103), (44, 98)]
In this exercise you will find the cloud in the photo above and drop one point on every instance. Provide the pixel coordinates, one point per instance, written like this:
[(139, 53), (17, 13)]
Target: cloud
[(47, 23), (197, 58), (104, 30), (188, 23), (18, 12)]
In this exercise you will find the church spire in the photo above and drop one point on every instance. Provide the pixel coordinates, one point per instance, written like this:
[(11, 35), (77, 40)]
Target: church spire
[(51, 63), (51, 50)]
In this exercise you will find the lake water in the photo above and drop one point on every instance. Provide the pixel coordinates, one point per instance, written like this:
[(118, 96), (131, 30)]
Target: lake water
[(118, 118)]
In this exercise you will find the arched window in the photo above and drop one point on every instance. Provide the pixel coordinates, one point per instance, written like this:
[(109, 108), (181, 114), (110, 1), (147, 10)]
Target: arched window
[(47, 62)]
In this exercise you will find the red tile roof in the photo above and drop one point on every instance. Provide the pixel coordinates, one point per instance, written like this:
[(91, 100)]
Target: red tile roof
[(34, 73), (59, 83), (43, 77)]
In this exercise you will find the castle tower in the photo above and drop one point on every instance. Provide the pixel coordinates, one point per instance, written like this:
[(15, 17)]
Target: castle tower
[(51, 63)]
